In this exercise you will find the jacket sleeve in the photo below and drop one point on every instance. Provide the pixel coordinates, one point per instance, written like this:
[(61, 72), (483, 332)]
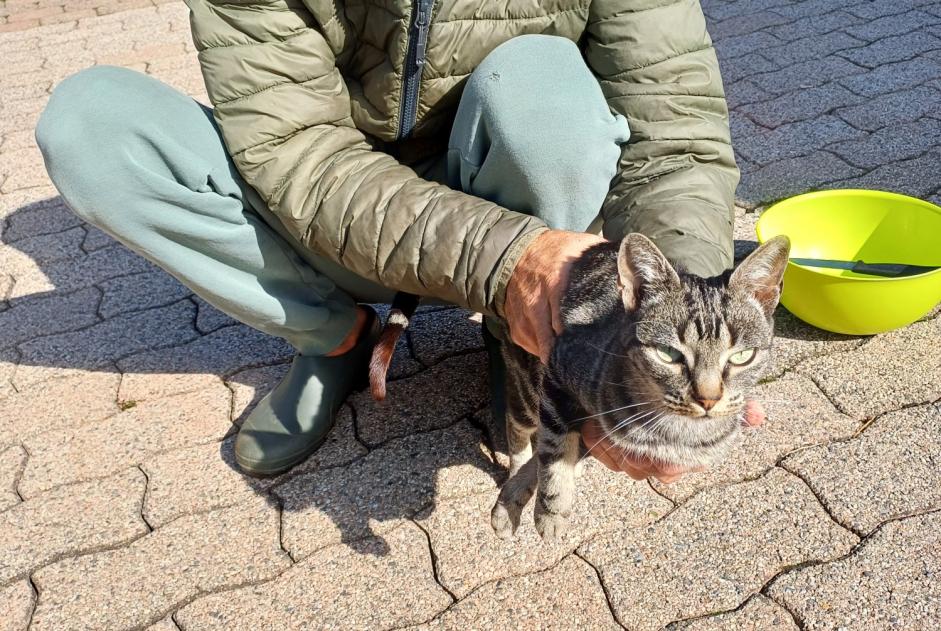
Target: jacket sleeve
[(677, 176), (285, 115)]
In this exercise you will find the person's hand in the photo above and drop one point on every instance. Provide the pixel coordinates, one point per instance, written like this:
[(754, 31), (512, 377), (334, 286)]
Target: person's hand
[(642, 468), (535, 289)]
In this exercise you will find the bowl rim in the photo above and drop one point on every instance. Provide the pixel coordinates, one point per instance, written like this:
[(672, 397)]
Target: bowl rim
[(842, 192)]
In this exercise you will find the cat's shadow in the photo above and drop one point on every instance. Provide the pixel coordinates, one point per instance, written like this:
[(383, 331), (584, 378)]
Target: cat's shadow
[(354, 499)]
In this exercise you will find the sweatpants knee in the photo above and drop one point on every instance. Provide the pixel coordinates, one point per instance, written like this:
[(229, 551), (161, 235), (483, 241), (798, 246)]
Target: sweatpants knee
[(87, 117)]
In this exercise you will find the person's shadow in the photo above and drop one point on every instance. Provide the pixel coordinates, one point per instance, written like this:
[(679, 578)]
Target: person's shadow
[(72, 299)]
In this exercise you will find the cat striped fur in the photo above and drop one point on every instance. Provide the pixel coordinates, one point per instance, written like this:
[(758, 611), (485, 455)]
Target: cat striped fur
[(661, 359)]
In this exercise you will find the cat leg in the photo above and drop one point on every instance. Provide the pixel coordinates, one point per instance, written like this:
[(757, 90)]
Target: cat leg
[(558, 452), (514, 496)]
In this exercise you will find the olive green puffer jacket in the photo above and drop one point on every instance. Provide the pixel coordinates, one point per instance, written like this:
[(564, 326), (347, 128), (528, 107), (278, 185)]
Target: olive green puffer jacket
[(309, 97)]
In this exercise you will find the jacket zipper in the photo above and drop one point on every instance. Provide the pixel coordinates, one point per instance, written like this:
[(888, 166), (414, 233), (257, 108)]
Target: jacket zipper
[(419, 23)]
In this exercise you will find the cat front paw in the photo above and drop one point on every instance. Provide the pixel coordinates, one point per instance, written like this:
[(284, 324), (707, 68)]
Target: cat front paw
[(503, 520), (551, 526)]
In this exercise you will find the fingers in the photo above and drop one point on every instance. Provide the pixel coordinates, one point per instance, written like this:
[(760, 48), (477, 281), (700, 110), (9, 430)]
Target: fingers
[(618, 460), (754, 413)]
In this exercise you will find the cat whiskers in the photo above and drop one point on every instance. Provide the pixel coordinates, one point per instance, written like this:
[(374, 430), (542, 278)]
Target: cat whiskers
[(632, 405), (620, 424)]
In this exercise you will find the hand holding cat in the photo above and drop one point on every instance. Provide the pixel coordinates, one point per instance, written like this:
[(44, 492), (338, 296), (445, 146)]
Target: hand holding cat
[(641, 469), (535, 289)]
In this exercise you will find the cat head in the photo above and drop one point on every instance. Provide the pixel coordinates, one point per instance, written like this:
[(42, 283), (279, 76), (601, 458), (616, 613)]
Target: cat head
[(701, 341)]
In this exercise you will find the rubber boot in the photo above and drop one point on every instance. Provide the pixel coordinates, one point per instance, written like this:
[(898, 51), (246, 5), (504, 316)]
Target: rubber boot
[(293, 420)]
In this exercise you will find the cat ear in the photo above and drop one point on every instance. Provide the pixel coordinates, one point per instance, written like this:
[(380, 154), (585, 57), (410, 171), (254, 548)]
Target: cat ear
[(761, 274), (643, 270)]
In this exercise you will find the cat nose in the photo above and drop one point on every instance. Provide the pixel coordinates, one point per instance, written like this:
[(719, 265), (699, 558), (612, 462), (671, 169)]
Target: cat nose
[(707, 404)]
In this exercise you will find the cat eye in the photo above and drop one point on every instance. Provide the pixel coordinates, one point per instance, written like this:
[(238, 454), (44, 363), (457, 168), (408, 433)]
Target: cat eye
[(742, 357), (668, 354)]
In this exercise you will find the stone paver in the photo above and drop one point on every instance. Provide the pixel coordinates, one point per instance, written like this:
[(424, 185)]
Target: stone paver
[(456, 385), (203, 477), (856, 381), (377, 493), (567, 596), (836, 471), (759, 614), (110, 370), (469, 555), (59, 404), (141, 583), (798, 415), (16, 606), (182, 368), (397, 567), (890, 582), (97, 449), (713, 552), (12, 461), (71, 520)]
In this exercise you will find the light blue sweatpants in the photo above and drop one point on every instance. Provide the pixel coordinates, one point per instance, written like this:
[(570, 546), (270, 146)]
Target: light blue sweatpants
[(147, 165)]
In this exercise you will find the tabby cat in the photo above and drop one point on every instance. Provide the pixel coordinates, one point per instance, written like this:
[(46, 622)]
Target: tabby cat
[(662, 359)]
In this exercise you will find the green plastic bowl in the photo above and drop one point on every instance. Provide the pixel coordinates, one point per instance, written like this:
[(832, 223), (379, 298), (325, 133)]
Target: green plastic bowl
[(853, 225)]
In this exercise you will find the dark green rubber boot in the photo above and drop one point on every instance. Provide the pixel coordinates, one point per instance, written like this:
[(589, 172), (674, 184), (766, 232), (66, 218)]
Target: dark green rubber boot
[(294, 419)]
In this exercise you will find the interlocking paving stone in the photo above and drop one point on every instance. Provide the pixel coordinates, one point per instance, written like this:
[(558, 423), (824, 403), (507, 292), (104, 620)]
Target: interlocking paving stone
[(891, 144), (801, 105), (794, 139), (917, 177), (389, 584), (177, 369), (208, 318), (440, 334), (567, 596), (141, 583), (714, 551), (95, 239), (892, 109), (9, 360), (377, 493), (815, 46), (58, 404), (71, 520), (436, 398), (16, 606), (166, 624), (137, 292), (82, 272), (97, 449), (798, 415), (55, 313), (206, 476), (102, 343), (744, 24), (892, 49), (804, 8), (890, 582), (809, 74), (792, 176), (893, 77), (33, 221), (796, 341), (744, 44), (743, 92), (819, 24), (911, 436), (738, 68), (858, 380), (12, 460), (49, 248), (758, 614), (886, 26), (469, 554)]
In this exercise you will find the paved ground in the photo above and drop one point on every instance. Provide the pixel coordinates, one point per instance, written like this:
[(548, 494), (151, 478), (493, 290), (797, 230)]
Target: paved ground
[(120, 391)]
